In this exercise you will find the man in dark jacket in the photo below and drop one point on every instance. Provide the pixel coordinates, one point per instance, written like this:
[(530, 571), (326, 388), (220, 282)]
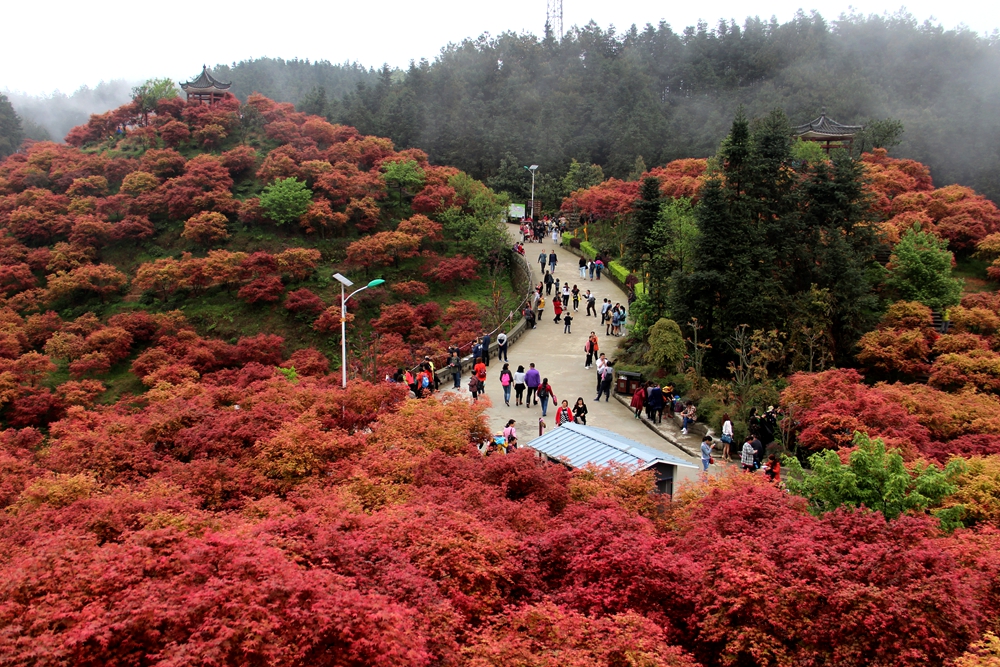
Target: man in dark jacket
[(486, 349)]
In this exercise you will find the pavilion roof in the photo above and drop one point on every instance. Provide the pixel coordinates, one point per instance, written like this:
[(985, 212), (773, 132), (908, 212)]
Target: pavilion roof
[(825, 128), (205, 82)]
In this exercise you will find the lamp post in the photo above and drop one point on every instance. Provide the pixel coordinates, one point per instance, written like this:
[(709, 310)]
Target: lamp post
[(532, 169), (344, 282)]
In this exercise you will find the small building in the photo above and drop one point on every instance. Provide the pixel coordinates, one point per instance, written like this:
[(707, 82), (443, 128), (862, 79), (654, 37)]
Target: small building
[(829, 133), (576, 445), (206, 89)]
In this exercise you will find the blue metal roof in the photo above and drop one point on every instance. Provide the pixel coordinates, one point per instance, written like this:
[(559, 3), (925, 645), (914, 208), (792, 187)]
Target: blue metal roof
[(578, 445)]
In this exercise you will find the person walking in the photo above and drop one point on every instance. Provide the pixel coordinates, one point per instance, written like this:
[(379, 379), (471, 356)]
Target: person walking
[(607, 377), (502, 346), (638, 401), (486, 349), (474, 387), (553, 258), (602, 361), (557, 308), (477, 349), (479, 368), (747, 455), (591, 304), (591, 266), (576, 298), (580, 412), (544, 394), (567, 320), (506, 380), (455, 365), (541, 308), (543, 257), (509, 432), (599, 265), (758, 452), (706, 452), (548, 280), (532, 379), (519, 386), (654, 399), (590, 347), (563, 414), (565, 295), (583, 267), (727, 435)]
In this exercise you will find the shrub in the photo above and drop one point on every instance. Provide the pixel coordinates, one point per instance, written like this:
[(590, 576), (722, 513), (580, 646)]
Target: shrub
[(666, 344), (589, 251), (286, 200), (619, 272)]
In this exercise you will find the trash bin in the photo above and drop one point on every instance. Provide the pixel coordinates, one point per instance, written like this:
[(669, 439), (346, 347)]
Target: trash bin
[(628, 382)]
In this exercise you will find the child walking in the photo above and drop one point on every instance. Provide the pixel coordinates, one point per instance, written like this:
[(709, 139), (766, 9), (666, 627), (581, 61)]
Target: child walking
[(567, 320)]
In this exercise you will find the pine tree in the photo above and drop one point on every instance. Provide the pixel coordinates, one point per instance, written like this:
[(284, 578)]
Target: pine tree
[(11, 134)]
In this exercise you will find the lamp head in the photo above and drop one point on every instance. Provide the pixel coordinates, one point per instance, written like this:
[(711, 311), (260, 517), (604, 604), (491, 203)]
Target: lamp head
[(376, 282)]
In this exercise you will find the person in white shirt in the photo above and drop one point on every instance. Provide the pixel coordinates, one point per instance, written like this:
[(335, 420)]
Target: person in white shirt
[(602, 361), (502, 347), (565, 295)]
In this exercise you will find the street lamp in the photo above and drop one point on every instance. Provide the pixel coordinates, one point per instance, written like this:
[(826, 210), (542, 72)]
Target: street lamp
[(532, 169), (344, 282)]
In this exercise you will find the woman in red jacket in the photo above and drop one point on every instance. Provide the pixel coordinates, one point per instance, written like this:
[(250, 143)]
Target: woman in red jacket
[(563, 414), (638, 401)]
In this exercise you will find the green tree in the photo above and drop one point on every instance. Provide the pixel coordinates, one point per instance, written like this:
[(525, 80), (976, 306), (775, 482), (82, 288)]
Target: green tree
[(637, 170), (920, 270), (286, 200), (879, 133), (147, 95), (875, 478), (666, 345), (639, 235), (581, 176), (511, 177), (11, 134), (315, 102), (405, 175), (770, 227)]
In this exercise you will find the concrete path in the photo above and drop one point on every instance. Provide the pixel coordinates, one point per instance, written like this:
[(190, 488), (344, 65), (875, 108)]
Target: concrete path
[(560, 358)]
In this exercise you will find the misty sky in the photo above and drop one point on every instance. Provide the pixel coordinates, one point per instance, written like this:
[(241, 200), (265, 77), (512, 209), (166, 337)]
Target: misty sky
[(83, 43)]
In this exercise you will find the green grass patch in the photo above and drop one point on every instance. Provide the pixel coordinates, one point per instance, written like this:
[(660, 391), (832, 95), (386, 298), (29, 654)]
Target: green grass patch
[(972, 270)]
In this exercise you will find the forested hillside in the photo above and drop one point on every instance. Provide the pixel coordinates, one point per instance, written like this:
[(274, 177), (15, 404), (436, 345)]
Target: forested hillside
[(606, 97)]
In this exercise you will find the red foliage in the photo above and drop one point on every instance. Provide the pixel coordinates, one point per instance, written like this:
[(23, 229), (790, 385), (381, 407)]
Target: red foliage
[(434, 199), (309, 361), (262, 290), (207, 227), (410, 289), (449, 270), (304, 301), (605, 200), (832, 405), (263, 348)]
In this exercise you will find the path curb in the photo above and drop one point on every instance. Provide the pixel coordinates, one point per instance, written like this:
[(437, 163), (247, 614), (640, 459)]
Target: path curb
[(652, 427)]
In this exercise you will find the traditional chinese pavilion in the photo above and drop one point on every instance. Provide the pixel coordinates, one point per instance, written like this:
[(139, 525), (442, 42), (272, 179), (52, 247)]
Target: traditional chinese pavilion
[(206, 89), (829, 133)]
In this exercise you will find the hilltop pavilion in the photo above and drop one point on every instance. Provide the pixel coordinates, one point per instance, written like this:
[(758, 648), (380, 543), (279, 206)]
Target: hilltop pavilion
[(206, 89), (829, 133)]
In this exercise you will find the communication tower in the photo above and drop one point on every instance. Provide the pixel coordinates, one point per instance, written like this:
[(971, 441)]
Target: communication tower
[(554, 17)]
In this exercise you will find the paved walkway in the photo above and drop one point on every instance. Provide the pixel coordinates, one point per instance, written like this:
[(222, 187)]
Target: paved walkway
[(560, 358)]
